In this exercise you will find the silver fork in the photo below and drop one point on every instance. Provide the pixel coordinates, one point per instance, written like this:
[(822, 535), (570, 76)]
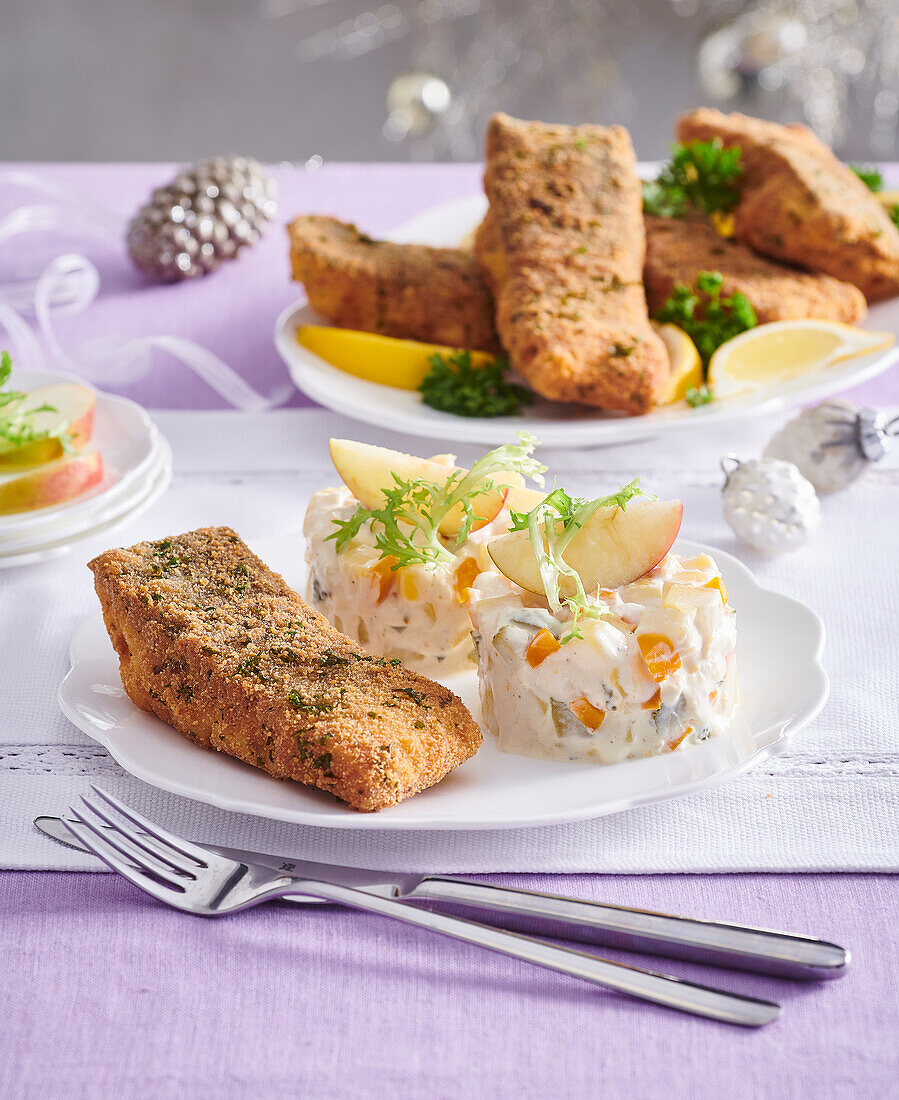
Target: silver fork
[(192, 879)]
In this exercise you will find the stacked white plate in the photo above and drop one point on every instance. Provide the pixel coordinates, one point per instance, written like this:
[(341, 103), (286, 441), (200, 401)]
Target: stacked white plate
[(137, 469)]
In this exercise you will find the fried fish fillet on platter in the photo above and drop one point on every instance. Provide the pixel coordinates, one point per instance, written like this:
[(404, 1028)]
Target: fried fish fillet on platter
[(800, 204), (562, 248), (217, 645), (409, 291), (677, 251)]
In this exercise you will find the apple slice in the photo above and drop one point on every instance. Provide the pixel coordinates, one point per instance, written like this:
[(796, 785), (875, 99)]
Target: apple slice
[(614, 547), (73, 415), (522, 499), (367, 471), (53, 483)]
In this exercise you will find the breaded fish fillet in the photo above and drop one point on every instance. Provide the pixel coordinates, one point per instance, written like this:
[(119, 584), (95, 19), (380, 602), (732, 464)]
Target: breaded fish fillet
[(217, 645), (562, 247), (802, 205), (678, 250), (410, 291)]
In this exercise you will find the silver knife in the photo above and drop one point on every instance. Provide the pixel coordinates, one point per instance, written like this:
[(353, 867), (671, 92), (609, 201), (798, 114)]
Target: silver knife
[(735, 946)]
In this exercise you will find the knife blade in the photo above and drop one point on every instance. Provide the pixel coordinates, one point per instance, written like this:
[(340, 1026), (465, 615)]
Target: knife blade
[(735, 946)]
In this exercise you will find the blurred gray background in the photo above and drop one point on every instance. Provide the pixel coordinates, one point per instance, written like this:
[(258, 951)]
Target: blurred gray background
[(176, 80)]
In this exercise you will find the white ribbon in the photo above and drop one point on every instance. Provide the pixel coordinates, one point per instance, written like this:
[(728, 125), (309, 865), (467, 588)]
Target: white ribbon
[(70, 283)]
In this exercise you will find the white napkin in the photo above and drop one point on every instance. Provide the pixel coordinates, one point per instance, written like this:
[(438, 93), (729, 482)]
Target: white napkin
[(830, 803)]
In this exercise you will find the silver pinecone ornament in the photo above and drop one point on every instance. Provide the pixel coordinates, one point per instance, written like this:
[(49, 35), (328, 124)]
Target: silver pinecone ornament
[(833, 443), (208, 213), (769, 504)]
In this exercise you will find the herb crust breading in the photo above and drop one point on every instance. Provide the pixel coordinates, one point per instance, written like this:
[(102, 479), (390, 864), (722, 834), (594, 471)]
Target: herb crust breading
[(677, 251), (562, 247), (800, 204), (217, 645), (408, 291)]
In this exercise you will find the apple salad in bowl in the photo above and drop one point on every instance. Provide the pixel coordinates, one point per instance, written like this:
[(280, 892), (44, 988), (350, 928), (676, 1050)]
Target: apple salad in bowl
[(597, 644), (393, 552)]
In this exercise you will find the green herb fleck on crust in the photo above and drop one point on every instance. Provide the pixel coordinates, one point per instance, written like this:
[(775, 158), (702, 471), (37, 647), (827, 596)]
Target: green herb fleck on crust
[(417, 698), (316, 705), (250, 668), (330, 659)]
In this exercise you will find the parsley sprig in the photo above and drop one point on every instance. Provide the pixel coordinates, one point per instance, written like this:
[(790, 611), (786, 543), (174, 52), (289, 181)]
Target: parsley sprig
[(406, 526), (870, 176), (873, 180), (17, 422), (551, 526), (702, 175), (699, 395), (455, 386), (707, 318)]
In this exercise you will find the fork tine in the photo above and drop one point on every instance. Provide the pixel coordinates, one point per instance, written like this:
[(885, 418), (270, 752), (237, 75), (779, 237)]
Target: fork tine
[(119, 843), (199, 855), (101, 848), (148, 845)]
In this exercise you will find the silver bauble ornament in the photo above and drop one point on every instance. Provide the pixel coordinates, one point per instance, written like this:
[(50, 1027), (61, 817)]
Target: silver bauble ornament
[(833, 443), (741, 57), (208, 213), (769, 504), (414, 103)]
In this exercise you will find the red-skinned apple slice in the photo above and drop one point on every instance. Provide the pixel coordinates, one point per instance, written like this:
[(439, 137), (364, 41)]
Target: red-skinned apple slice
[(367, 471), (53, 483), (614, 547), (522, 499), (73, 414)]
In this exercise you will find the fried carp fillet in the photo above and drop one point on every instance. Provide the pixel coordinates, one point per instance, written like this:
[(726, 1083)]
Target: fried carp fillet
[(410, 291), (562, 248), (801, 205), (677, 251), (217, 645)]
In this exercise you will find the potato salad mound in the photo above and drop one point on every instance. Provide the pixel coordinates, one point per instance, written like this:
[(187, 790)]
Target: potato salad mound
[(652, 671), (393, 552), (598, 643), (417, 613)]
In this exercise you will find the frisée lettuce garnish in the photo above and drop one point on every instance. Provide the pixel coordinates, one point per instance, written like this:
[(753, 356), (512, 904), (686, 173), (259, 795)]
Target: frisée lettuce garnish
[(551, 526), (406, 526)]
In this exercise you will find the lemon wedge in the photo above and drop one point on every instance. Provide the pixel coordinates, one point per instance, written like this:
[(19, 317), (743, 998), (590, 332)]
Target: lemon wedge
[(779, 352), (888, 198), (686, 364), (398, 363)]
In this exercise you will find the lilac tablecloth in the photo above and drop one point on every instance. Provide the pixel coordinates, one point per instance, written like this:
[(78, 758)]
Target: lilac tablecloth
[(112, 996), (105, 993)]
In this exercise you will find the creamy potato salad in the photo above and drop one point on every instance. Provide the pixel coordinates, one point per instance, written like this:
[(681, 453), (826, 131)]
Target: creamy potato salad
[(653, 670), (417, 613), (393, 553), (593, 641)]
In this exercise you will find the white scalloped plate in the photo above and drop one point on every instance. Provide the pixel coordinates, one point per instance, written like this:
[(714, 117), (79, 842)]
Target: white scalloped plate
[(554, 424), (782, 683)]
